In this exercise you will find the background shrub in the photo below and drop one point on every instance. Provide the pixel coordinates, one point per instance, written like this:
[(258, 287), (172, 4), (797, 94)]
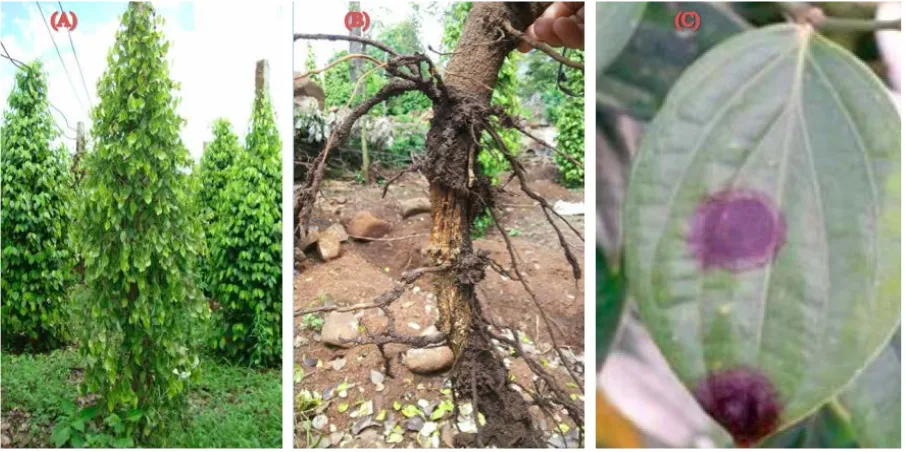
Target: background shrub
[(213, 176), (37, 187), (139, 235), (218, 156), (246, 246), (571, 129)]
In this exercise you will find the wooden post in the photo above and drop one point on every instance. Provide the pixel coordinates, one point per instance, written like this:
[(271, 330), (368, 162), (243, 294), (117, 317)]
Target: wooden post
[(366, 163), (261, 73), (80, 150), (355, 66)]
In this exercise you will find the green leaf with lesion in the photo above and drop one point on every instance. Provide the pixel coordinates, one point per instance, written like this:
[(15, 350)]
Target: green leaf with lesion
[(787, 114)]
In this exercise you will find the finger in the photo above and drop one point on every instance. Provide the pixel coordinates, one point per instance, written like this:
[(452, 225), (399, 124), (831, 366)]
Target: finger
[(580, 17), (562, 9), (544, 30), (569, 32)]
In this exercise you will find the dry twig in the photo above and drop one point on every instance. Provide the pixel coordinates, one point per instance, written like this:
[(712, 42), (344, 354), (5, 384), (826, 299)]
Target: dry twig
[(338, 61)]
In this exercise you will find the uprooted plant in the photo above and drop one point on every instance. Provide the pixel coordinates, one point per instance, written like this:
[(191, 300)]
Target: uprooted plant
[(458, 193)]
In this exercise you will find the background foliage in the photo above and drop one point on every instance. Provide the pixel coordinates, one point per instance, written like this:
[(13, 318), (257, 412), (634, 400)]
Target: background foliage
[(537, 77), (311, 65), (571, 130), (213, 174), (246, 246), (37, 255), (217, 158)]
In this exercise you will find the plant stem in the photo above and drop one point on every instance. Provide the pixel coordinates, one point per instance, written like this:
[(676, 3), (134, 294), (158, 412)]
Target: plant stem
[(838, 24), (805, 13)]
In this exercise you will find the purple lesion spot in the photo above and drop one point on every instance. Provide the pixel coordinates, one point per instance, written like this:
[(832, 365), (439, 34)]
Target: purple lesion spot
[(736, 230), (743, 401)]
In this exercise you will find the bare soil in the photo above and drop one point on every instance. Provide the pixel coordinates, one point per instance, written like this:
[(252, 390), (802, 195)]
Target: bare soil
[(365, 270)]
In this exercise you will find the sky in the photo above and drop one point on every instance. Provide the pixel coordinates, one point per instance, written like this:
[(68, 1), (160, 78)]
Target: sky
[(212, 55), (329, 19)]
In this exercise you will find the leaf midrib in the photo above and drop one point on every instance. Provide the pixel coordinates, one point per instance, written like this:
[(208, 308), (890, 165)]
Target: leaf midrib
[(795, 99)]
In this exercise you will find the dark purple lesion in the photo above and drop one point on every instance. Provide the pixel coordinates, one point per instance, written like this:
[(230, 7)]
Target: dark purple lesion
[(736, 230), (743, 401)]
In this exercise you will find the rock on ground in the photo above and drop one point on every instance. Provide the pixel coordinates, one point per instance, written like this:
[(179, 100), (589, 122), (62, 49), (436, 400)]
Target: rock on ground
[(298, 256), (339, 231), (428, 360), (339, 328), (366, 225), (414, 206), (329, 245), (310, 239)]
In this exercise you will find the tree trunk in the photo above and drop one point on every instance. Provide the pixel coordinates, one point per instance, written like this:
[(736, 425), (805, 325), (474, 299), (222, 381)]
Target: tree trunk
[(458, 192)]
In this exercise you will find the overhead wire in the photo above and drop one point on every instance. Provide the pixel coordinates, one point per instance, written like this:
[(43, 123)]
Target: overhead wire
[(19, 65), (60, 55), (76, 56)]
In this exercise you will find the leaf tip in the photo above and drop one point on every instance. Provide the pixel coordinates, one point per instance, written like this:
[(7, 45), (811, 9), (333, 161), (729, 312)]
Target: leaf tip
[(743, 401)]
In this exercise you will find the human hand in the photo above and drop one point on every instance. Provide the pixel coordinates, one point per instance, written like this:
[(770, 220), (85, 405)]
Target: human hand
[(561, 24)]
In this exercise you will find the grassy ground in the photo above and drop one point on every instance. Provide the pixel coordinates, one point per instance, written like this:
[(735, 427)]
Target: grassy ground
[(230, 407)]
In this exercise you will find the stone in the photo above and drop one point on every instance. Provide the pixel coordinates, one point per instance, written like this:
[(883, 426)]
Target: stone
[(415, 206), (368, 226), (298, 259), (446, 435), (328, 246), (306, 87), (339, 231), (339, 328), (568, 209), (428, 360), (319, 422), (369, 439), (337, 437), (338, 364), (539, 419), (431, 330), (310, 239), (415, 423)]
